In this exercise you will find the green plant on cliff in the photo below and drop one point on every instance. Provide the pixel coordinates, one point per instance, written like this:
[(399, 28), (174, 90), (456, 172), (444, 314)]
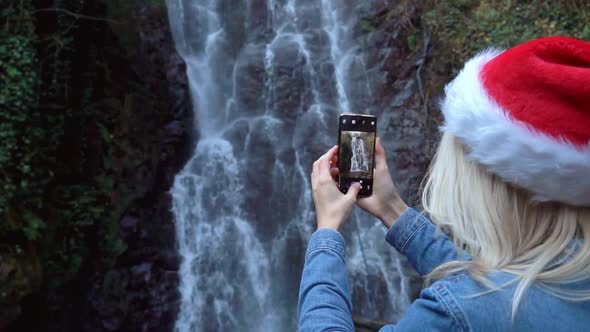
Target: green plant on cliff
[(466, 27), (21, 137), (461, 29), (21, 182), (57, 211)]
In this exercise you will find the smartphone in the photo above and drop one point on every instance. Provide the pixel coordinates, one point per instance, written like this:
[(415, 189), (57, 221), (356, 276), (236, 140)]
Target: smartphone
[(356, 156)]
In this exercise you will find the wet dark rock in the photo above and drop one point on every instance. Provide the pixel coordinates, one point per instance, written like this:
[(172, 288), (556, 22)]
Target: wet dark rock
[(240, 128), (288, 156), (141, 292), (174, 130), (404, 93), (142, 271), (129, 223), (9, 313), (249, 80), (167, 260), (289, 98)]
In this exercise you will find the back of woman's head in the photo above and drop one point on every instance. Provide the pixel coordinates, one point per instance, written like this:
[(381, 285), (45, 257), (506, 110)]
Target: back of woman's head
[(503, 228), (510, 182)]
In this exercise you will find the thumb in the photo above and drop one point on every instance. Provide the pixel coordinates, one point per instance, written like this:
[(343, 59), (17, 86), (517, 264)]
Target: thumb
[(353, 191), (380, 160)]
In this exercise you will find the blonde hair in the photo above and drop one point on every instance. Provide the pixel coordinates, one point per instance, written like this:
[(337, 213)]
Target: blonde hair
[(545, 243)]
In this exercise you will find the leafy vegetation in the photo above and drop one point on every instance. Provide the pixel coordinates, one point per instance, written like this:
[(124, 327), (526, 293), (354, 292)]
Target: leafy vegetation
[(62, 150), (463, 28), (20, 136), (470, 26)]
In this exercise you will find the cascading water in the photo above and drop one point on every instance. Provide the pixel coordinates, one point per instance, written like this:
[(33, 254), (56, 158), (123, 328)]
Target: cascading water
[(359, 162), (268, 79)]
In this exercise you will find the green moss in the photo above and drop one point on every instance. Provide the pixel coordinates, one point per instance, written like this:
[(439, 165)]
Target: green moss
[(461, 29), (412, 41), (367, 25), (21, 182), (60, 201), (21, 275), (465, 28)]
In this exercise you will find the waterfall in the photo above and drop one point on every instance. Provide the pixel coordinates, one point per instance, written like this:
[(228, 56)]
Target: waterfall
[(359, 162), (268, 79)]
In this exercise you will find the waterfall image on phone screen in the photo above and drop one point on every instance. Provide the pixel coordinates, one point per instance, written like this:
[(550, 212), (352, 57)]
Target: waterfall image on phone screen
[(359, 161), (268, 80), (356, 154)]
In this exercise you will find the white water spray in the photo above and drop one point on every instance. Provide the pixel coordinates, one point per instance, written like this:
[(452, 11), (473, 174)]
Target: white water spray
[(268, 79), (359, 162)]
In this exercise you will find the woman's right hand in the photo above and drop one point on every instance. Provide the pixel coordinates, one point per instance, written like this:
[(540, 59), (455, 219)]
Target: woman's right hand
[(385, 203)]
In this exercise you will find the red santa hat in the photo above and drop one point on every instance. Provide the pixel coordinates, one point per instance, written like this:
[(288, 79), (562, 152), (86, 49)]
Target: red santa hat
[(524, 114)]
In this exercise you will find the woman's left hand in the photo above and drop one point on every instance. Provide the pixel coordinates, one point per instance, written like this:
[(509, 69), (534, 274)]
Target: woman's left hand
[(332, 206)]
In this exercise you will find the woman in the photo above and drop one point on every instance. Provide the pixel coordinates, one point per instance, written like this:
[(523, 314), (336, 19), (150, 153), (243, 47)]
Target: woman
[(509, 184)]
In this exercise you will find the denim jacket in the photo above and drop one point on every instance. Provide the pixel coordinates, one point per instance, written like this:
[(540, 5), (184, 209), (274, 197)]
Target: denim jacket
[(447, 305)]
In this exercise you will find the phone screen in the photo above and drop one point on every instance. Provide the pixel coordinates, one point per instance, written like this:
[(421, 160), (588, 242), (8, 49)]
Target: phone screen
[(356, 157)]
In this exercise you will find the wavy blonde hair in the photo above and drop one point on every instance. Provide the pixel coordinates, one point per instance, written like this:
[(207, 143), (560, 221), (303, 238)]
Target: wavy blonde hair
[(545, 243)]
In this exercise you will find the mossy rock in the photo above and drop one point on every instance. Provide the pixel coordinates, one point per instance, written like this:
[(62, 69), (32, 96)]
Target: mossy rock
[(20, 276)]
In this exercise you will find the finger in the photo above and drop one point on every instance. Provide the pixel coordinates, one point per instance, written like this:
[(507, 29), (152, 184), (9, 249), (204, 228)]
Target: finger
[(334, 160), (331, 153), (324, 169), (353, 191), (380, 160), (313, 186), (314, 173), (324, 164), (334, 171)]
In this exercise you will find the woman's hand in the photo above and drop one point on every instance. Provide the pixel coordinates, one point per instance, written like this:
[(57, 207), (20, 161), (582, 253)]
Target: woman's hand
[(385, 202), (332, 207)]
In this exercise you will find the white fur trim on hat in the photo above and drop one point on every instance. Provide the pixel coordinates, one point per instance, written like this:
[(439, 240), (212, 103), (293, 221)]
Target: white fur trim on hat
[(552, 169)]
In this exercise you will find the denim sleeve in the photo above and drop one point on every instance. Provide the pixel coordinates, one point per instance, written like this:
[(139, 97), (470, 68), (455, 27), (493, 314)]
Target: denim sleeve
[(434, 310), (324, 299), (414, 236)]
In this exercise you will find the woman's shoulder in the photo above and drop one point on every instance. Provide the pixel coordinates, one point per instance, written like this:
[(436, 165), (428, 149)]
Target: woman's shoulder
[(488, 307), (474, 301)]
